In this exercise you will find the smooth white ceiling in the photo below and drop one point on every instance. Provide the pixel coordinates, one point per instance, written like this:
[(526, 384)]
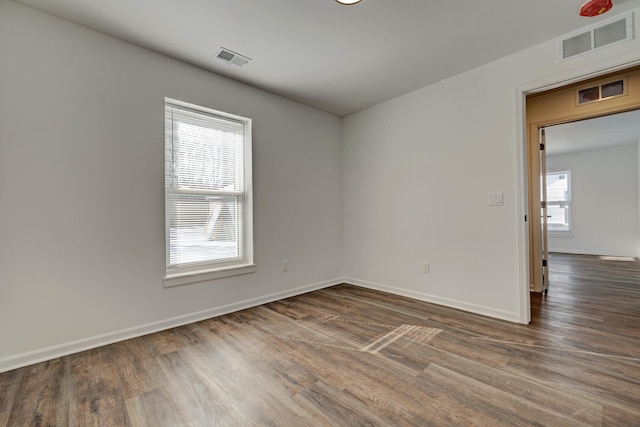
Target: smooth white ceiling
[(601, 132), (340, 59)]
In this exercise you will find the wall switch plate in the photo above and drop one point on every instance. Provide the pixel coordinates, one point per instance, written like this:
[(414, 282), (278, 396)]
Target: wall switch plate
[(285, 265), (425, 267), (496, 199)]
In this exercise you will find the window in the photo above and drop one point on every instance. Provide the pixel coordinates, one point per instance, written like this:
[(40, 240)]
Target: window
[(207, 194), (559, 201)]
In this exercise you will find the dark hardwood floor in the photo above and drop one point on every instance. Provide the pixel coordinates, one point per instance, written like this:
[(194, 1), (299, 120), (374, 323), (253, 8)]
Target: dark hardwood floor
[(346, 356)]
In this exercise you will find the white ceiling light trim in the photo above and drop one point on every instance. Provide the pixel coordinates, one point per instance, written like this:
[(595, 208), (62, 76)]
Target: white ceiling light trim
[(348, 2)]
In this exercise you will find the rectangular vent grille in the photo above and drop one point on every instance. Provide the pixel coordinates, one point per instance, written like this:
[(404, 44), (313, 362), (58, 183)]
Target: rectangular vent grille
[(604, 35), (231, 57), (611, 33), (608, 90)]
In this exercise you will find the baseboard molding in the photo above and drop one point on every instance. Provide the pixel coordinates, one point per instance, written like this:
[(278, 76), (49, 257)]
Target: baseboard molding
[(52, 352), (589, 252), (48, 353), (447, 302)]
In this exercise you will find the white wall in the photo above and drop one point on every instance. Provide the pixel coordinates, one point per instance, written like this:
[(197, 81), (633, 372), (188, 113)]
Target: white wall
[(604, 206), (81, 187), (82, 196), (417, 171)]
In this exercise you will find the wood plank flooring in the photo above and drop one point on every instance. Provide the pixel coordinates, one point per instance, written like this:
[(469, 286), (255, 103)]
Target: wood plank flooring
[(346, 356)]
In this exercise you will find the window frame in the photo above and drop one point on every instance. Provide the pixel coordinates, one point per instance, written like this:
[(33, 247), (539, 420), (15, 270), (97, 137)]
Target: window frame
[(567, 202), (205, 271)]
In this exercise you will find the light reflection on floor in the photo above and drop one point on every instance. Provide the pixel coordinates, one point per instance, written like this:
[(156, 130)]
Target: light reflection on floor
[(617, 258)]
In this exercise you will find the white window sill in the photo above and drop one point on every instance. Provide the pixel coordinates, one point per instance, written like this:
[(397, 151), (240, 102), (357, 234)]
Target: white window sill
[(563, 234), (179, 279)]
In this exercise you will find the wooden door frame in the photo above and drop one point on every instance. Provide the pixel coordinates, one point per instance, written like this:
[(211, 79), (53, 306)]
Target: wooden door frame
[(523, 194)]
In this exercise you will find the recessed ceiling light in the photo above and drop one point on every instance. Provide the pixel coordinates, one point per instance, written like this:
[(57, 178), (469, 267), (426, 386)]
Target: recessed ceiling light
[(348, 2)]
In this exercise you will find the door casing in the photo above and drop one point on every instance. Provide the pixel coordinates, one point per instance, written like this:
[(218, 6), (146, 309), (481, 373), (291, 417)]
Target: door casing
[(560, 106)]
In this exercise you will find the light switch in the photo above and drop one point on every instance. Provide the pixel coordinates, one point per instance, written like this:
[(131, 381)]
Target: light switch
[(495, 199)]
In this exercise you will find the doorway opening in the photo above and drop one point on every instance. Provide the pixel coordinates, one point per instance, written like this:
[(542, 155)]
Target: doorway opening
[(571, 118)]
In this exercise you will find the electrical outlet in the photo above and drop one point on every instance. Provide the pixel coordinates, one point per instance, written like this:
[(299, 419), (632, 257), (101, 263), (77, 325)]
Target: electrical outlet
[(285, 265), (425, 267)]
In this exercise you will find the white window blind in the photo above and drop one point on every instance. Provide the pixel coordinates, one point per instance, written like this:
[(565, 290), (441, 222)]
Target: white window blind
[(206, 191), (559, 201)]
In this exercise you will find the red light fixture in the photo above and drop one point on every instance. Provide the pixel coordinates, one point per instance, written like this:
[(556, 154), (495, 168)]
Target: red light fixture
[(595, 7)]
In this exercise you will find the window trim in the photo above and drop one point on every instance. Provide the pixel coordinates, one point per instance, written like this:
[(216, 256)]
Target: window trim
[(209, 271), (568, 202), (187, 278)]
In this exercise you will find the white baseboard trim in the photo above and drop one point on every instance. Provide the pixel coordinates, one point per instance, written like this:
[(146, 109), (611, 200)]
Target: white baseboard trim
[(447, 302), (52, 352), (589, 252)]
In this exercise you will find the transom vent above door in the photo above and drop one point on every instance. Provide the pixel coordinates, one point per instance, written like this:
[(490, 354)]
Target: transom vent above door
[(605, 34)]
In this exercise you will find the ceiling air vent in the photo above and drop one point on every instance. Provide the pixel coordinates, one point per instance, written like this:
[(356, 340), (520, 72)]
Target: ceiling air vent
[(598, 37), (231, 57)]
